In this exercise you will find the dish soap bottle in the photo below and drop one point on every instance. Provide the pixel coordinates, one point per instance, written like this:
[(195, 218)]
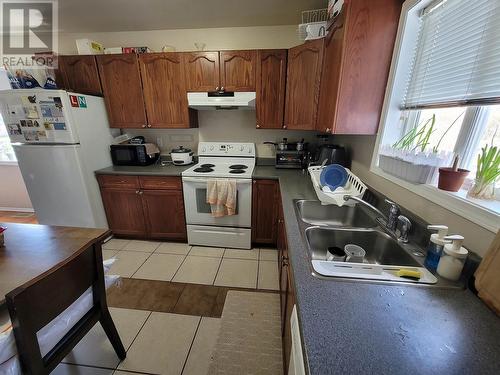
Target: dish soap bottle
[(452, 262), (436, 245)]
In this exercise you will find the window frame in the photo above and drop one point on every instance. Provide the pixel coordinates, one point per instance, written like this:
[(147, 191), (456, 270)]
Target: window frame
[(484, 213)]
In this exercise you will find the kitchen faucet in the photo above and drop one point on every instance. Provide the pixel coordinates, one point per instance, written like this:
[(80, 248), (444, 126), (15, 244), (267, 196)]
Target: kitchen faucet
[(388, 223)]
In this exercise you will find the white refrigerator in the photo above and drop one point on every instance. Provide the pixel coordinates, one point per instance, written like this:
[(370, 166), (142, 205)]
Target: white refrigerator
[(60, 138)]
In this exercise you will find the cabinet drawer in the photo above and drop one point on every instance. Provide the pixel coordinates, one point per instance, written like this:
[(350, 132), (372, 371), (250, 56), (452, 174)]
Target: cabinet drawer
[(162, 183), (118, 181)]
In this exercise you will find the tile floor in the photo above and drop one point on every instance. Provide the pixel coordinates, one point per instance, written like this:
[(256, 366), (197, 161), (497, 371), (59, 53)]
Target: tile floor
[(177, 262), (171, 323)]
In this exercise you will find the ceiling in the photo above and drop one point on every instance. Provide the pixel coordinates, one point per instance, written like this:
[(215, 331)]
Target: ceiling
[(135, 15)]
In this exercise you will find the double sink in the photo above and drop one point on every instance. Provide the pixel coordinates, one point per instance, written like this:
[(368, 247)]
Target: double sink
[(327, 226)]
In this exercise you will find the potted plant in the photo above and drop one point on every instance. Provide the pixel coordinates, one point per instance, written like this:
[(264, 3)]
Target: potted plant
[(452, 179), (487, 174), (411, 158)]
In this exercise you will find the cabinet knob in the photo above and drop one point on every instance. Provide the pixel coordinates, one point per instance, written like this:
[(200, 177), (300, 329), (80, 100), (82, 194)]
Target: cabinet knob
[(217, 88), (258, 126), (137, 191), (141, 192), (284, 126), (149, 125), (143, 126), (222, 88), (328, 130)]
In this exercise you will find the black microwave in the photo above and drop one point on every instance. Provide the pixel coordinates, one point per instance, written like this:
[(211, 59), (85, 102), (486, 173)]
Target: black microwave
[(130, 154)]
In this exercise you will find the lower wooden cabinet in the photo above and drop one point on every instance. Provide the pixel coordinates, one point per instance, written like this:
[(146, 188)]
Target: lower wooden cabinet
[(144, 207), (265, 197)]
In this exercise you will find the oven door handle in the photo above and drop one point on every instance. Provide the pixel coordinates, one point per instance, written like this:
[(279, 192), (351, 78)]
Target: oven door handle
[(203, 179)]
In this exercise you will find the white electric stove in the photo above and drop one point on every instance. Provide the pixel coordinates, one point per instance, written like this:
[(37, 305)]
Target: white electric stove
[(220, 160)]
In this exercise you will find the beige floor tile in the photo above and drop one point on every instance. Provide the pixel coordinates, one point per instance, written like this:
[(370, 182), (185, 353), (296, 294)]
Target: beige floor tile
[(202, 251), (268, 276), (200, 355), (145, 246), (269, 254), (127, 263), (240, 273), (96, 350), (115, 244), (242, 254), (173, 248), (106, 254), (197, 270), (65, 369), (159, 267), (162, 345)]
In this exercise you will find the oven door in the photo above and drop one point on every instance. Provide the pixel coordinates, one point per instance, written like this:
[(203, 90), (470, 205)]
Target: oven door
[(198, 210)]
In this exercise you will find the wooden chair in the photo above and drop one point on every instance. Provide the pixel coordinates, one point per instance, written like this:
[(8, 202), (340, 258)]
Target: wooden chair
[(36, 303)]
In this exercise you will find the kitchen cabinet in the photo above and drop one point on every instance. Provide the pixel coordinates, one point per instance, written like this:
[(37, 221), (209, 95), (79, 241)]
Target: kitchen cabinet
[(225, 71), (302, 85), (123, 95), (144, 206), (201, 71), (165, 91), (270, 88), (357, 58), (264, 211), (238, 70), (80, 74)]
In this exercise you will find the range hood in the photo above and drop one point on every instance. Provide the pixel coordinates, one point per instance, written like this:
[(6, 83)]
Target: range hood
[(221, 100)]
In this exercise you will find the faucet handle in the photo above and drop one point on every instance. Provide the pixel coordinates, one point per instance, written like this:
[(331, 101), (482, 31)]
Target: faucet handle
[(392, 204), (405, 228)]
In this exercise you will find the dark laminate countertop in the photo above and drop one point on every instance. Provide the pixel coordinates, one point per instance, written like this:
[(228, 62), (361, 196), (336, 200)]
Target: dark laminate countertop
[(150, 170), (364, 328)]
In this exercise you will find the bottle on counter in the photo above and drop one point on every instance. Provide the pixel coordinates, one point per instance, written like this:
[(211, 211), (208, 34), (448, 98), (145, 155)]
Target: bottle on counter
[(453, 259), (436, 245)]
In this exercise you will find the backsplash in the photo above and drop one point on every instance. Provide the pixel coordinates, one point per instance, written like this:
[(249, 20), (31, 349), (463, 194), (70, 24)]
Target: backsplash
[(234, 126)]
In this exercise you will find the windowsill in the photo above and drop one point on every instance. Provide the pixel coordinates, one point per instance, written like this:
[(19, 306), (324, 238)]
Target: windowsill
[(8, 162), (481, 212)]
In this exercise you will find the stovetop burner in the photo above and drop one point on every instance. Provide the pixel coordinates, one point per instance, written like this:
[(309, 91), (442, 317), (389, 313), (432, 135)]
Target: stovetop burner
[(207, 165), (238, 166), (203, 170), (237, 171)]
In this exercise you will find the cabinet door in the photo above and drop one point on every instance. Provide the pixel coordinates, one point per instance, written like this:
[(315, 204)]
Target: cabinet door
[(164, 214), (201, 71), (264, 211), (287, 336), (302, 86), (164, 90), (238, 70), (124, 211), (122, 88), (81, 74), (270, 88), (330, 76)]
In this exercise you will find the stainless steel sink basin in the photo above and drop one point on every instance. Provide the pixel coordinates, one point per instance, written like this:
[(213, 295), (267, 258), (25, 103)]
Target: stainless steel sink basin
[(380, 248), (314, 213)]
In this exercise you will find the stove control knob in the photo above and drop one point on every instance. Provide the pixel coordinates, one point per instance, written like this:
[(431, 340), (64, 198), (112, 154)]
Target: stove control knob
[(211, 148), (203, 149), (242, 148)]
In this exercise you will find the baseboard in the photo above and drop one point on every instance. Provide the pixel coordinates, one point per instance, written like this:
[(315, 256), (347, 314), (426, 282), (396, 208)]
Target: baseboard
[(16, 209)]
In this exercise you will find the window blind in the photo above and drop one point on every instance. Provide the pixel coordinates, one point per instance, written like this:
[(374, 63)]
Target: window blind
[(457, 58)]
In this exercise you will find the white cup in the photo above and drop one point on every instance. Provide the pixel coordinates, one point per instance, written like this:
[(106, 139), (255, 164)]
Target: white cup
[(354, 253)]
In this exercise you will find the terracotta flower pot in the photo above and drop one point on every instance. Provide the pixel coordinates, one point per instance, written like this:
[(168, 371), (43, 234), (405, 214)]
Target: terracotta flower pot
[(451, 180)]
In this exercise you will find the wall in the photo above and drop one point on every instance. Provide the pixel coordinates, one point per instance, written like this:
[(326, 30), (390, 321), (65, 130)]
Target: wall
[(183, 40), (13, 194), (477, 238)]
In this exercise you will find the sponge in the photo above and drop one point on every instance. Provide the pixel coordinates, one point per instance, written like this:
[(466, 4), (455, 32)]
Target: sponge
[(410, 274)]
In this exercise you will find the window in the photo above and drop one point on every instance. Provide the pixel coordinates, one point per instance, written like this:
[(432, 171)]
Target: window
[(6, 151), (443, 99)]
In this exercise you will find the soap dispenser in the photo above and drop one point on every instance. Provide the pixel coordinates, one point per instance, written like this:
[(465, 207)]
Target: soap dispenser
[(452, 262), (436, 245)]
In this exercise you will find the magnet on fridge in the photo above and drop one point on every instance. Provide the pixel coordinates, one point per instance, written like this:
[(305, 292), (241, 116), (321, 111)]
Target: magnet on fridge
[(74, 101), (14, 129), (48, 126), (23, 123), (82, 102), (59, 126)]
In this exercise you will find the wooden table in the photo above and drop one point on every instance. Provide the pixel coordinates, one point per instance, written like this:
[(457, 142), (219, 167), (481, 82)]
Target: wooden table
[(32, 249)]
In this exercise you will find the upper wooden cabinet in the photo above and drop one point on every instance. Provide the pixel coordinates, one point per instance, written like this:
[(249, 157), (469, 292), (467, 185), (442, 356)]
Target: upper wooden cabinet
[(80, 74), (121, 83), (165, 91), (201, 71), (358, 50), (302, 86), (226, 70), (270, 88), (238, 70)]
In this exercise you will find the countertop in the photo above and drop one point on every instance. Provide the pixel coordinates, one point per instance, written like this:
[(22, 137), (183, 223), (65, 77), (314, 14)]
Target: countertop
[(149, 170), (364, 328)]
